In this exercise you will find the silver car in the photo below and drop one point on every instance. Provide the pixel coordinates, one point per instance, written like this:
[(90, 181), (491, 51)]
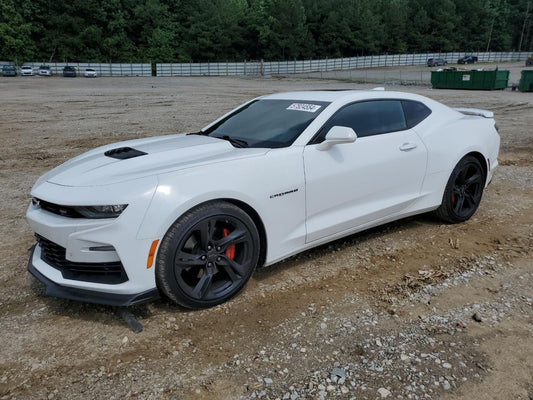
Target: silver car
[(90, 73), (26, 70), (44, 70)]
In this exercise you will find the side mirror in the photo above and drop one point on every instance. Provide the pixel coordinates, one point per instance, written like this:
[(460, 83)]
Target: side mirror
[(337, 135)]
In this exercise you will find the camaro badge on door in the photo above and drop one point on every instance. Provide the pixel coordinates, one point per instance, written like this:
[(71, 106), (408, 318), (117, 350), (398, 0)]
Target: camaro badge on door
[(284, 193)]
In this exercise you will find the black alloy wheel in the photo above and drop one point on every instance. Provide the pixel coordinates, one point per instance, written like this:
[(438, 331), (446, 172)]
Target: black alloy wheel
[(208, 255), (463, 192)]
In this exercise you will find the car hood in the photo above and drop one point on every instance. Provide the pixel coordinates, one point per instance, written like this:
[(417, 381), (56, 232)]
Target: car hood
[(150, 156)]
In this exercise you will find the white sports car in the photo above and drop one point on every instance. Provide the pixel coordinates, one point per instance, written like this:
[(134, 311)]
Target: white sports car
[(192, 215)]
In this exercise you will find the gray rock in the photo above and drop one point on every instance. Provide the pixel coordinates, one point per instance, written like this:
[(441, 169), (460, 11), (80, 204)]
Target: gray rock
[(384, 393), (339, 372)]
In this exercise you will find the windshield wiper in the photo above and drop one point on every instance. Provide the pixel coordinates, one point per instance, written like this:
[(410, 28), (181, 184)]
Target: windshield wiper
[(235, 142)]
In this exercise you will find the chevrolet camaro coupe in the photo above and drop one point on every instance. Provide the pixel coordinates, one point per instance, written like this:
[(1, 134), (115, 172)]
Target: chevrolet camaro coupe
[(190, 216)]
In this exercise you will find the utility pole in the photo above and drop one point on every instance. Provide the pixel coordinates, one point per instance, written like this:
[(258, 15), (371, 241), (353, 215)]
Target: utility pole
[(524, 27), (490, 35), (495, 13)]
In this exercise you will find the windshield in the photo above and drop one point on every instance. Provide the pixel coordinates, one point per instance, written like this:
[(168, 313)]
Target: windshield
[(267, 123)]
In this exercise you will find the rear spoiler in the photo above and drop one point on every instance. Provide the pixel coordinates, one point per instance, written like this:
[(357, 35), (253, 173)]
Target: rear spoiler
[(475, 111)]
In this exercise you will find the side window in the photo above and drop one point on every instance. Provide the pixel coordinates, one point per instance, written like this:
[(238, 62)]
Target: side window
[(368, 118), (415, 112)]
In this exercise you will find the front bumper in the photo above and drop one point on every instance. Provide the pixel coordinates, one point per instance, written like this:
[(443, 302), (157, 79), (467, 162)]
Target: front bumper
[(95, 260), (90, 296)]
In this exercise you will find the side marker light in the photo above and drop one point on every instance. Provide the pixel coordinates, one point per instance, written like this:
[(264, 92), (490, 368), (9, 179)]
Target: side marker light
[(151, 254)]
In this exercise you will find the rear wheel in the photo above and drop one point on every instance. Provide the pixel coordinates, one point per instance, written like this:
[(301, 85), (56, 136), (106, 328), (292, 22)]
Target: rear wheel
[(207, 255), (463, 191)]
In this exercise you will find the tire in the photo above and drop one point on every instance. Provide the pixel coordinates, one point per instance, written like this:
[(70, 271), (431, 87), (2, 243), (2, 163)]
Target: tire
[(463, 191), (207, 255)]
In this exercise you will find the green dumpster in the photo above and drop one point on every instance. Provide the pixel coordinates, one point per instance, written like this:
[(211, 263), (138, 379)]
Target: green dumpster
[(472, 80), (526, 81)]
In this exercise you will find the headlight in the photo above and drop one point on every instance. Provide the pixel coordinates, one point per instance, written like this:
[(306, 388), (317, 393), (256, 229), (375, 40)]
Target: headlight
[(92, 212), (101, 211)]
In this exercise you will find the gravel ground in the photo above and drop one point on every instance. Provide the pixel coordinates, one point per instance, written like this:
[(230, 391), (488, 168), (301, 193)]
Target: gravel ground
[(415, 309)]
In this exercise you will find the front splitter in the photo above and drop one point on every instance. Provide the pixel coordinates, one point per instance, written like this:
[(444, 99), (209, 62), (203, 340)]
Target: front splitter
[(90, 296)]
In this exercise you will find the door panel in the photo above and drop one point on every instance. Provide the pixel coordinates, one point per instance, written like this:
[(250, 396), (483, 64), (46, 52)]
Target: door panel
[(356, 183)]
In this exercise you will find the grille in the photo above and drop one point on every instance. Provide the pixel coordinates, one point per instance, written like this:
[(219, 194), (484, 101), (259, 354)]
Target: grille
[(54, 255)]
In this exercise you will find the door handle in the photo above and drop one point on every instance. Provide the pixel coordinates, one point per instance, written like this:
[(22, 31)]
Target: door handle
[(408, 146)]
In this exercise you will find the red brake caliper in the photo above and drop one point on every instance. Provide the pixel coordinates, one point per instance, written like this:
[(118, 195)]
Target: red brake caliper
[(230, 251)]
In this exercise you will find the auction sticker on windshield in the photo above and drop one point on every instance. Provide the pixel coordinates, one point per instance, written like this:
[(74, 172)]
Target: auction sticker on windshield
[(304, 107)]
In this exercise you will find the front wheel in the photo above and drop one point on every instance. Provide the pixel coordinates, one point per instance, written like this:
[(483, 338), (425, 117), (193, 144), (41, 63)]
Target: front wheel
[(463, 191), (207, 255)]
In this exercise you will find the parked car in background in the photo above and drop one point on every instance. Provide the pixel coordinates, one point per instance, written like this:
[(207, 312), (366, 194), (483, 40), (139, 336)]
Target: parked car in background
[(433, 62), (69, 71), (44, 70), (9, 70), (90, 73), (26, 70), (467, 60)]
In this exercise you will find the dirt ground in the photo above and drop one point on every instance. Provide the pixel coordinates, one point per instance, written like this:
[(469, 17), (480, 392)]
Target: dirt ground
[(415, 309)]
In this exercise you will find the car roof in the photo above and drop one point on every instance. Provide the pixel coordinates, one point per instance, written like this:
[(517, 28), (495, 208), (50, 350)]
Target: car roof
[(343, 95)]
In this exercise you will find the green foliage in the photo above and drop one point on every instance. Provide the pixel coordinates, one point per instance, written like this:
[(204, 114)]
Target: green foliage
[(15, 41), (235, 30)]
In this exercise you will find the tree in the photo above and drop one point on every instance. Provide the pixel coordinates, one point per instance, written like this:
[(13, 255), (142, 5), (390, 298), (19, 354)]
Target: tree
[(283, 32), (15, 32), (394, 17), (220, 30)]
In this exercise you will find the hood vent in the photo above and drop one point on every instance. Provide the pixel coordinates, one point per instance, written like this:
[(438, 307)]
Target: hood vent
[(123, 153)]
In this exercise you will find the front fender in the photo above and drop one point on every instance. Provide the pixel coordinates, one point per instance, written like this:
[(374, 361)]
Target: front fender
[(273, 185)]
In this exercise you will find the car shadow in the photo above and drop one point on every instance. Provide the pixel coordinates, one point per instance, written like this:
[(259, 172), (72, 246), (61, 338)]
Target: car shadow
[(345, 242)]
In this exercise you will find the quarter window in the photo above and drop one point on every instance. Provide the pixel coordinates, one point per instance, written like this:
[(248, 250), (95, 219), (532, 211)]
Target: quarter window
[(415, 112), (368, 118)]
